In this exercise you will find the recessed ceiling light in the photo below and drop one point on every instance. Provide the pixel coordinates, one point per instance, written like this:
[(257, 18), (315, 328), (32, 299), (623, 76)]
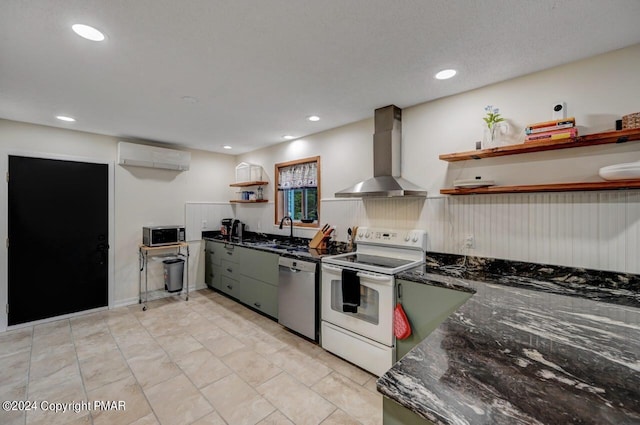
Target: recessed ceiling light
[(226, 147), (445, 74), (65, 118), (288, 137), (90, 33), (313, 118)]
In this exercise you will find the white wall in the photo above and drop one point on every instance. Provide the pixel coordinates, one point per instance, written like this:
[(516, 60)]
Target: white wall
[(142, 196), (598, 230), (345, 156)]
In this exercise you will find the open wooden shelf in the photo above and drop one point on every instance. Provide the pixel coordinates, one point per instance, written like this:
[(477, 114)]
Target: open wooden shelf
[(557, 187), (244, 201), (246, 184), (620, 136)]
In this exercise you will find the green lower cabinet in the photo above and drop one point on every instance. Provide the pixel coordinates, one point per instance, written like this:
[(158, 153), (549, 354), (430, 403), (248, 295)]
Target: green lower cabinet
[(259, 295), (426, 307), (213, 254), (212, 277), (248, 275), (395, 414), (229, 286), (259, 265)]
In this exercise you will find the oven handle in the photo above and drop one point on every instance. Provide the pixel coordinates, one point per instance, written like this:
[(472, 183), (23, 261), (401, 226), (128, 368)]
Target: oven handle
[(374, 277), (332, 268)]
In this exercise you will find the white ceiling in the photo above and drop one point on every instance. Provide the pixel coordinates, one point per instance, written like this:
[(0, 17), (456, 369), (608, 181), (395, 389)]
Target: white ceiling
[(259, 67)]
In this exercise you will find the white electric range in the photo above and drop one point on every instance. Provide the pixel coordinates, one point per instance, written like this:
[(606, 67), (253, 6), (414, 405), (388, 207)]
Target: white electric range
[(358, 295)]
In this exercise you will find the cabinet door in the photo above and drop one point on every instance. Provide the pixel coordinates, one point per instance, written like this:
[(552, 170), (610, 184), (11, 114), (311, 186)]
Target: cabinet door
[(258, 265), (229, 286), (207, 268), (426, 307), (212, 278), (214, 252), (212, 255), (229, 253), (229, 269), (259, 295), (395, 414)]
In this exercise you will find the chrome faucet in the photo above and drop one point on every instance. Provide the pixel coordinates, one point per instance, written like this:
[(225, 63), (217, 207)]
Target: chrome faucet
[(286, 217)]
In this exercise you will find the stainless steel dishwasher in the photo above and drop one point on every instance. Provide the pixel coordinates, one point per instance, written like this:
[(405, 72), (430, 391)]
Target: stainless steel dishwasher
[(298, 296)]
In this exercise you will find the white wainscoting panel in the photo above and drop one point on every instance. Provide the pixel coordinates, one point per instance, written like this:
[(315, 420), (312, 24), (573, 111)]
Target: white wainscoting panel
[(342, 214), (596, 230), (632, 231), (200, 216)]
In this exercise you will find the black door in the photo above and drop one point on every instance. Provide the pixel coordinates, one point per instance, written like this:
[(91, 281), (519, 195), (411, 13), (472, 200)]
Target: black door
[(58, 237)]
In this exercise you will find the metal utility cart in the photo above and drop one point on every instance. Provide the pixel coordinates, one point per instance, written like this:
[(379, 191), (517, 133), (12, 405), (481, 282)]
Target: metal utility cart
[(181, 250)]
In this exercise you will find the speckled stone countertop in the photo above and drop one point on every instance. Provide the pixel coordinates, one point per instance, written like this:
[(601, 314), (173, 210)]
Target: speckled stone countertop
[(535, 344), (299, 246)]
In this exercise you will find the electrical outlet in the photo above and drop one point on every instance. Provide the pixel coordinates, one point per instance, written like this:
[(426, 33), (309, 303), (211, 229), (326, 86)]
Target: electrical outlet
[(468, 241), (204, 224)]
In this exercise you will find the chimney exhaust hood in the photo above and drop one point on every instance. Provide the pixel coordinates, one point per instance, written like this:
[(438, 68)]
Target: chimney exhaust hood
[(386, 181)]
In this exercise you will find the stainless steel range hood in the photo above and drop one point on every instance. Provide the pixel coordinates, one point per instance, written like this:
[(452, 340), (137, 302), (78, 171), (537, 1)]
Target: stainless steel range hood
[(386, 181)]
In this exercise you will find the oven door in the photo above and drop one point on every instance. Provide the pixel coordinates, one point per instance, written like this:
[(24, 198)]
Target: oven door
[(374, 316)]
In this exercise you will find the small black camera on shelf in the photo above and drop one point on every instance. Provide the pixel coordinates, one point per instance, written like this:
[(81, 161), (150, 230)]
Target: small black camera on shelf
[(559, 110)]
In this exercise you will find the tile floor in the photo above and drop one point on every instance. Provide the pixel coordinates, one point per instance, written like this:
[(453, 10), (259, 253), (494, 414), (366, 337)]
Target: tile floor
[(205, 361)]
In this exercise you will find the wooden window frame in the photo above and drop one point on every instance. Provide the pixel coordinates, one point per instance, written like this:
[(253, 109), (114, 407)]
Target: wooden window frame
[(277, 196)]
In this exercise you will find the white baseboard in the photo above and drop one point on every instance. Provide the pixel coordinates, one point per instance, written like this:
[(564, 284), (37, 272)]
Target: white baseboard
[(154, 295), (55, 318), (125, 302)]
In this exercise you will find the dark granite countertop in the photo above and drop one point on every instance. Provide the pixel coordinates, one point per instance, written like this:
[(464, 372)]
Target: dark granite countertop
[(297, 248), (535, 344)]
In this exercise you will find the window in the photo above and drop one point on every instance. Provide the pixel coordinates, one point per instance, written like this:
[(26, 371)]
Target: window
[(298, 191)]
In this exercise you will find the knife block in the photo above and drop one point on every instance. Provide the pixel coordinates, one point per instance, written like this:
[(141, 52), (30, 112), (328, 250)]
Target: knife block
[(319, 241)]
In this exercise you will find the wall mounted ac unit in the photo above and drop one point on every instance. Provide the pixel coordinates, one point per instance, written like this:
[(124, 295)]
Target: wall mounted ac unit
[(152, 157)]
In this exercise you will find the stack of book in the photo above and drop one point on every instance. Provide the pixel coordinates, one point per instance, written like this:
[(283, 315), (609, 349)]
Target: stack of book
[(561, 129)]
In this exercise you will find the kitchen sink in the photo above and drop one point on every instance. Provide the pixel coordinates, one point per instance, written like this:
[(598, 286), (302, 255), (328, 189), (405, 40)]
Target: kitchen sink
[(286, 247), (275, 245)]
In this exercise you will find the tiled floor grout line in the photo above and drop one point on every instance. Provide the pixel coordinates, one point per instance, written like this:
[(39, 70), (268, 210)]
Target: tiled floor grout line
[(33, 331), (242, 379), (131, 370), (234, 372), (183, 372), (296, 380), (187, 376), (75, 350)]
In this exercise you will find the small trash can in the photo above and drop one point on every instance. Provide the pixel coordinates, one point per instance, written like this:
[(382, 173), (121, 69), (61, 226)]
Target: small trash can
[(173, 270)]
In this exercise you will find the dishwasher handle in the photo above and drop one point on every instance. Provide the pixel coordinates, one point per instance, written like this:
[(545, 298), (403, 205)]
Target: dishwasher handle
[(295, 265)]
